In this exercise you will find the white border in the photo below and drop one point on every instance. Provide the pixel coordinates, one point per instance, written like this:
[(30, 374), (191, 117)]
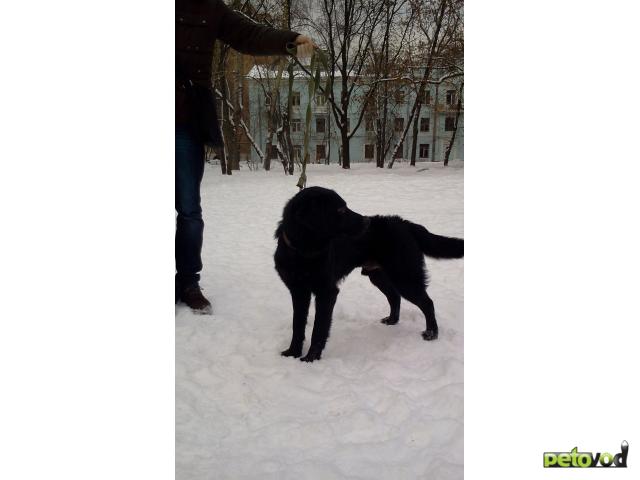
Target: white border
[(552, 258), (86, 347)]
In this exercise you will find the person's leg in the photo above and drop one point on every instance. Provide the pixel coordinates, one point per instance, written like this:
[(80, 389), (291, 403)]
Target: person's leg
[(189, 224)]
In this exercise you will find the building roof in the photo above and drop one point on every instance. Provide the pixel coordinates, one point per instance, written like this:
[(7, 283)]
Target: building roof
[(264, 71)]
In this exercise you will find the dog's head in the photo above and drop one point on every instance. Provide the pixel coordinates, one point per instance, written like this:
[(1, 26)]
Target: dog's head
[(320, 213)]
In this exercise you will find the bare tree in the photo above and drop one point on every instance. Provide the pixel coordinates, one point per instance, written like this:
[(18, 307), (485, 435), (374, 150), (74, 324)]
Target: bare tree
[(277, 14), (345, 29), (230, 80), (439, 22), (385, 71), (242, 124), (278, 114)]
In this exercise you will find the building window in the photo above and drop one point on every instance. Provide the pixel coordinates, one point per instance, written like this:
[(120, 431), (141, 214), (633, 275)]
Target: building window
[(398, 124), (273, 152), (320, 153), (449, 124), (400, 151), (295, 99), (424, 124), (321, 100), (368, 151), (321, 125), (451, 97), (297, 153), (368, 124), (399, 96), (296, 126), (427, 97), (424, 150)]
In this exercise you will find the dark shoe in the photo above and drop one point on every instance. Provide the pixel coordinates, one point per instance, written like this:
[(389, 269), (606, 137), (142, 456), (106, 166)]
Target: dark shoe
[(192, 296)]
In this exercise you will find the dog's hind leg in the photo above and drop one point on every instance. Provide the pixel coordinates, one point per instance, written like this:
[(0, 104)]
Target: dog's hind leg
[(325, 301), (417, 295), (383, 283), (301, 298)]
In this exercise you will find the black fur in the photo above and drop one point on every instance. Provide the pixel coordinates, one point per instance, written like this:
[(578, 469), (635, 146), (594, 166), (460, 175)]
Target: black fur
[(320, 241)]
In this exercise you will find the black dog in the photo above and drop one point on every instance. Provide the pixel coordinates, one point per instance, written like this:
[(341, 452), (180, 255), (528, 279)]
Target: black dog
[(320, 241)]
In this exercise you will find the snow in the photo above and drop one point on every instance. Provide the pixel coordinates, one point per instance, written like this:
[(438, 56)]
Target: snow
[(381, 403)]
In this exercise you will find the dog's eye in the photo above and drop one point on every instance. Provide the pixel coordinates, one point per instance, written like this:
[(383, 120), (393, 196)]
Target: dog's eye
[(342, 210)]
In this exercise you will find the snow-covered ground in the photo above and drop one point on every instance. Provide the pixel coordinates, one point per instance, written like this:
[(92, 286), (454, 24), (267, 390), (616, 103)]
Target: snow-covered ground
[(381, 404)]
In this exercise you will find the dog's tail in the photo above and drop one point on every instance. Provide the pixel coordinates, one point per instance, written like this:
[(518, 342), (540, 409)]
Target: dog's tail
[(437, 246)]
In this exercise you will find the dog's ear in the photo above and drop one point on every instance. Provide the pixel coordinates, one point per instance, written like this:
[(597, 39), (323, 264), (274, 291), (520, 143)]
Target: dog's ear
[(313, 215)]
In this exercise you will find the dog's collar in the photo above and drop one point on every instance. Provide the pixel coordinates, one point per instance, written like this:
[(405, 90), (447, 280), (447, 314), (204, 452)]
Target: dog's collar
[(286, 240), (288, 243)]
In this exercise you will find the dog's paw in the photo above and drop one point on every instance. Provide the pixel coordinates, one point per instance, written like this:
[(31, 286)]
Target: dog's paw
[(430, 334), (290, 352), (389, 320), (311, 356)]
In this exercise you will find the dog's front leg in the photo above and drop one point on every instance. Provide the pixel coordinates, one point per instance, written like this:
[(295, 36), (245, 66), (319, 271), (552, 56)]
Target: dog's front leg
[(301, 298), (325, 301)]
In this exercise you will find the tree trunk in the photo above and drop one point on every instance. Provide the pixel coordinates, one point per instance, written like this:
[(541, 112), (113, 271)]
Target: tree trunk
[(382, 131), (225, 161), (382, 151), (414, 141), (344, 132), (434, 135), (222, 153), (346, 157), (289, 146), (267, 160), (328, 138), (228, 147), (270, 134), (419, 100), (455, 126), (267, 156), (237, 113), (284, 142)]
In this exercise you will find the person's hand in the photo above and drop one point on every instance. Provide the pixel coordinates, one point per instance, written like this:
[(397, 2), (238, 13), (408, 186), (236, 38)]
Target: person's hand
[(304, 46)]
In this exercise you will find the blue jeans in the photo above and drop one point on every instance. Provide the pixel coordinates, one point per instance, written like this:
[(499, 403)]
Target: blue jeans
[(189, 224)]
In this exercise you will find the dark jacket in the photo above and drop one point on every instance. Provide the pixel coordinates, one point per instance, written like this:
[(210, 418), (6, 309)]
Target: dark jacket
[(198, 24)]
